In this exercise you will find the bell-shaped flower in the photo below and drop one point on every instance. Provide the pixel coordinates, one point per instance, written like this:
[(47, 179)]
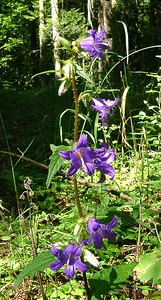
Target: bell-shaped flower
[(104, 108), (103, 158), (70, 257), (80, 156), (95, 43), (90, 159), (99, 231)]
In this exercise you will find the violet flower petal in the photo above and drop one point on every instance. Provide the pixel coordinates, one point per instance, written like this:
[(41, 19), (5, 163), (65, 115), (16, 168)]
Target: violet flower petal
[(82, 142), (81, 266), (56, 265), (66, 154), (103, 107), (79, 157), (70, 257), (76, 250), (104, 168), (55, 251), (98, 231), (95, 43), (70, 270), (97, 239)]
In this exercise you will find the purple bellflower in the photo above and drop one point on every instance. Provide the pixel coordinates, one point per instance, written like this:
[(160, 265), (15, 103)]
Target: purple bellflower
[(80, 156), (99, 231), (103, 107), (103, 158), (95, 43), (70, 257), (90, 159)]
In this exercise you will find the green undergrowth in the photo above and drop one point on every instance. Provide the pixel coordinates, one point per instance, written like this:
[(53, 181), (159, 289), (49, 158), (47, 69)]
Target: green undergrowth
[(54, 217), (129, 266)]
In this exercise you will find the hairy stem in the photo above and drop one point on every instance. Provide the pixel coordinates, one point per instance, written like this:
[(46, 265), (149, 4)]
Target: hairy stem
[(78, 204), (79, 208), (76, 101), (75, 94)]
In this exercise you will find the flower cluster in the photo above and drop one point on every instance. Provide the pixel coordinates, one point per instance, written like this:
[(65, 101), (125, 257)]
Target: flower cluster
[(70, 256), (90, 159)]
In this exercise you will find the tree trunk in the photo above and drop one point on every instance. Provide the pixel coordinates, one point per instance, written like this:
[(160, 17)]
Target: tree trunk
[(41, 33), (55, 35), (104, 15)]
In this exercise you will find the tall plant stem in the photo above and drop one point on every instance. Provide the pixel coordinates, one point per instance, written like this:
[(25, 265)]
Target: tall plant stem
[(76, 101), (78, 204), (79, 208)]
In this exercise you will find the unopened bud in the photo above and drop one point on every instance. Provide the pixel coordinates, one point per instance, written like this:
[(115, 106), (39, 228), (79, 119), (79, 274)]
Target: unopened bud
[(88, 256), (68, 69), (77, 229), (63, 88)]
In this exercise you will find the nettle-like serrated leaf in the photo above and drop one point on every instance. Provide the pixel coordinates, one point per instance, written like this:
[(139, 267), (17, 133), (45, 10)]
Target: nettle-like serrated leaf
[(56, 161), (123, 272), (111, 279), (119, 273), (149, 267), (38, 264), (80, 71)]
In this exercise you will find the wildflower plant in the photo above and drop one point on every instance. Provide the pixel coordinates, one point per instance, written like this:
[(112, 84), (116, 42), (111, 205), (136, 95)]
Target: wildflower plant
[(77, 255), (90, 160)]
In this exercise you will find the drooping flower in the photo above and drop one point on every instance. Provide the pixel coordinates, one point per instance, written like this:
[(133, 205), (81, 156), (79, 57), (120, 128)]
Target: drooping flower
[(99, 231), (103, 107), (70, 257), (80, 156), (90, 159), (95, 44), (103, 158)]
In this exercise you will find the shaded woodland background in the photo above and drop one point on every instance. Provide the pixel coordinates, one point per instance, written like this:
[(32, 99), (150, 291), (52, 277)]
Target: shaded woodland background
[(26, 37)]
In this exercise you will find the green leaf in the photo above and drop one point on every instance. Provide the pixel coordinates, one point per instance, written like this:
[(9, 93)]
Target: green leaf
[(149, 267), (126, 40), (45, 73), (111, 278), (123, 272), (80, 71), (56, 161), (64, 42), (38, 264)]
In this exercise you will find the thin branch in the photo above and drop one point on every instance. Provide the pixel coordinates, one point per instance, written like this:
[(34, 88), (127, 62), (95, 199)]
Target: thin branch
[(31, 161)]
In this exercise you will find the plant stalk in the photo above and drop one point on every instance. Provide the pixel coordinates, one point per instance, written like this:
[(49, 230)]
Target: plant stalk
[(76, 101), (78, 204), (79, 208)]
